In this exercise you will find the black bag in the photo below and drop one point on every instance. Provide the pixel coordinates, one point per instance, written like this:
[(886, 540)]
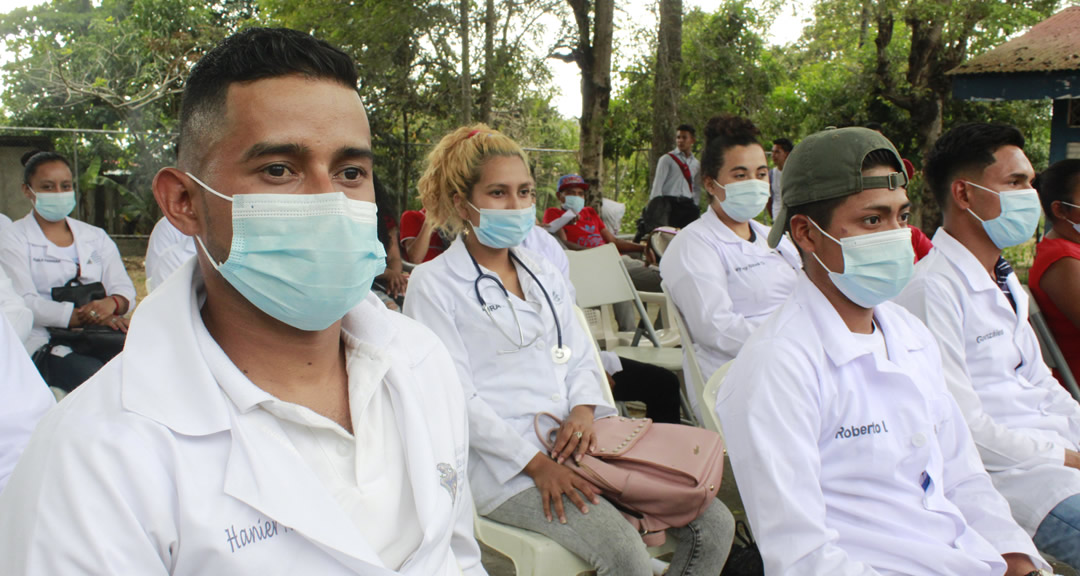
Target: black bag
[(101, 342), (78, 293), (744, 559), (674, 211)]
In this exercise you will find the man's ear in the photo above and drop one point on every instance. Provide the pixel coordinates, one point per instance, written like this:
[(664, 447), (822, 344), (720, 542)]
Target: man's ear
[(960, 194), (801, 233), (173, 191), (1061, 211)]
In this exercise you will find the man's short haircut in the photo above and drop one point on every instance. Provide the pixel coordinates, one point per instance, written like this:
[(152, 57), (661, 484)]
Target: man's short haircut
[(822, 210), (687, 128), (247, 56), (965, 148), (784, 144)]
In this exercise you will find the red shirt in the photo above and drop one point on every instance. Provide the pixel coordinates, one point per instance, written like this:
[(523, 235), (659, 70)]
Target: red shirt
[(920, 243), (584, 230), (1065, 332), (411, 223)]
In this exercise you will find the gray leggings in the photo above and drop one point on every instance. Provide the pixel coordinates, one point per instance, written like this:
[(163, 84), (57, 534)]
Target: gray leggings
[(607, 541)]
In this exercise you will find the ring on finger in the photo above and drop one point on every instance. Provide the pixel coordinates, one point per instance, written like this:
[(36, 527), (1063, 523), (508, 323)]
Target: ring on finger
[(578, 434)]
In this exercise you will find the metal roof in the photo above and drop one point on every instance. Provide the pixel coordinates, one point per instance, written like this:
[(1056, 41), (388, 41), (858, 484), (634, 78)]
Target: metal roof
[(1051, 45)]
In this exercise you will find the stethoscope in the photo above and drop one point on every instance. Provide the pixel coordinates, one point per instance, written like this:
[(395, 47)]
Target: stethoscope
[(560, 354)]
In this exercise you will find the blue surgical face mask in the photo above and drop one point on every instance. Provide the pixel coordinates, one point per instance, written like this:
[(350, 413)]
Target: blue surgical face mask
[(876, 266), (304, 259), (503, 228), (575, 203), (53, 206), (745, 199), (1019, 216), (1075, 225)]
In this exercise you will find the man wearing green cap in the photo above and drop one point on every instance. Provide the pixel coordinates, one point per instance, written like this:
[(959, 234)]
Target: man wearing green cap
[(850, 454), (1026, 427)]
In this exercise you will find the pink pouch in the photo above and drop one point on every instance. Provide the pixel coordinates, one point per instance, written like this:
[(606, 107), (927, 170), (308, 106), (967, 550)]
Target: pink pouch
[(659, 475)]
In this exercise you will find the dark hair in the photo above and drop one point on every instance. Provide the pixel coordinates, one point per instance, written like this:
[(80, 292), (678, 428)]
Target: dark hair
[(965, 147), (822, 210), (687, 128), (385, 204), (721, 134), (1057, 183), (247, 56), (33, 159), (784, 144)]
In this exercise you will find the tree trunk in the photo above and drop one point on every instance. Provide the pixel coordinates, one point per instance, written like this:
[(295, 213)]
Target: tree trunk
[(466, 73), (593, 57), (487, 87), (666, 88)]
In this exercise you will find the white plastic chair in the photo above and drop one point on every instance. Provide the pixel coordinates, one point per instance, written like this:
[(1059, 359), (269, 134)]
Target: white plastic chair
[(710, 419), (693, 376), (532, 553), (1051, 353)]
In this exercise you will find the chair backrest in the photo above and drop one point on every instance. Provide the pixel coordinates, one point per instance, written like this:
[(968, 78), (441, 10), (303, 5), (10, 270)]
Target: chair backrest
[(1050, 351), (584, 323), (692, 373), (660, 238), (599, 276), (710, 418)]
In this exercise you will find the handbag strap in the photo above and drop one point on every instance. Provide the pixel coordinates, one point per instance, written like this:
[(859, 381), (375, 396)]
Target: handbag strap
[(75, 281), (545, 439)]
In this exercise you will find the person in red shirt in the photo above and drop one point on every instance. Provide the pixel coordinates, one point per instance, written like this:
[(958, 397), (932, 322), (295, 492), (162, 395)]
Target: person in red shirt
[(1056, 273), (580, 228), (419, 238), (920, 243)]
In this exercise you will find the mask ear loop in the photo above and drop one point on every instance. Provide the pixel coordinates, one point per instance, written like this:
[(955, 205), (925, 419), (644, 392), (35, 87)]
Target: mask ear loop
[(995, 192), (198, 239), (829, 236)]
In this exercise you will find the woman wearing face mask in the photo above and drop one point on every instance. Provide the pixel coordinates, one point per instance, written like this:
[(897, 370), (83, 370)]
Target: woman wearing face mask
[(1056, 273), (46, 249), (507, 318), (720, 271)]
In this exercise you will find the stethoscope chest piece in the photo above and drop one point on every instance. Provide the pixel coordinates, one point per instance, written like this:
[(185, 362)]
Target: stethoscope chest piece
[(560, 354)]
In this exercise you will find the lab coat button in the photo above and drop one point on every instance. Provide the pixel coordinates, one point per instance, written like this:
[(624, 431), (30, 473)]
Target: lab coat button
[(539, 345), (918, 440), (344, 447), (555, 397)]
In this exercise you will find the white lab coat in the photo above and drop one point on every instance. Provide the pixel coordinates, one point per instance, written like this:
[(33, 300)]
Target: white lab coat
[(168, 250), (504, 391), (149, 468), (829, 445), (14, 308), (36, 266), (1020, 417), (24, 399), (724, 286)]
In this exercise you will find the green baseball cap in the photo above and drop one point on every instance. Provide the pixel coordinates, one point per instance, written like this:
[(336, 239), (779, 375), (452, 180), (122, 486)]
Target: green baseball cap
[(827, 165)]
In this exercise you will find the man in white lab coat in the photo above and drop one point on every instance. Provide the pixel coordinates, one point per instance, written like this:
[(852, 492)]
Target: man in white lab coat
[(851, 457), (1026, 426), (268, 415)]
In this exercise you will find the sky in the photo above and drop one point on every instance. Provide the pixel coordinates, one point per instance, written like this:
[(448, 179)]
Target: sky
[(567, 79)]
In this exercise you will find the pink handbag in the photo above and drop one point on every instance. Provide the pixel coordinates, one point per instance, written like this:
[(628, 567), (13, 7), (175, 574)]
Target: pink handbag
[(659, 476)]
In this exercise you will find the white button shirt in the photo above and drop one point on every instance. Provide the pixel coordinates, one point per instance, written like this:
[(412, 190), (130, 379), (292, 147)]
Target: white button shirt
[(36, 266), (167, 251), (505, 387), (150, 467), (669, 179), (1020, 417), (832, 447), (724, 286), (24, 399)]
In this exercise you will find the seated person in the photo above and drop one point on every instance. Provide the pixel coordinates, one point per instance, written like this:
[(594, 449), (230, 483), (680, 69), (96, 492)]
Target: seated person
[(580, 228), (5, 222), (850, 455), (24, 399), (422, 241), (14, 308), (1056, 273), (168, 250), (719, 271), (920, 243), (46, 249), (630, 380), (391, 284), (1027, 428), (519, 350), (268, 415)]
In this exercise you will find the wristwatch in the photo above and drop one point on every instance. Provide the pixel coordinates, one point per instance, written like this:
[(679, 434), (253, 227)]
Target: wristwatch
[(1039, 573)]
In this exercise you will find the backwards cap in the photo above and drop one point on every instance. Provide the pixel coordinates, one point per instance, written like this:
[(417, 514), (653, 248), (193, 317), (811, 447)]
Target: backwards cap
[(827, 165)]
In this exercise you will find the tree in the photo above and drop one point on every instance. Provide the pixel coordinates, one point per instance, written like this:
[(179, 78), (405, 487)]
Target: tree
[(466, 70), (667, 87), (487, 85), (592, 54)]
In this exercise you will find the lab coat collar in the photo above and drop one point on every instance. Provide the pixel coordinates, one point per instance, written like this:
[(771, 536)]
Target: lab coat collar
[(36, 236), (461, 264), (728, 236), (837, 339), (973, 273)]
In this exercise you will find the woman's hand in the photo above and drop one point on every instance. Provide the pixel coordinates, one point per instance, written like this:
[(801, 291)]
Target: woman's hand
[(97, 312), (396, 282), (553, 480), (117, 323), (576, 435)]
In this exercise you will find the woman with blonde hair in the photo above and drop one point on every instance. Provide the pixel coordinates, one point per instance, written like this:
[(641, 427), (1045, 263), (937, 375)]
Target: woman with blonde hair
[(506, 315)]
